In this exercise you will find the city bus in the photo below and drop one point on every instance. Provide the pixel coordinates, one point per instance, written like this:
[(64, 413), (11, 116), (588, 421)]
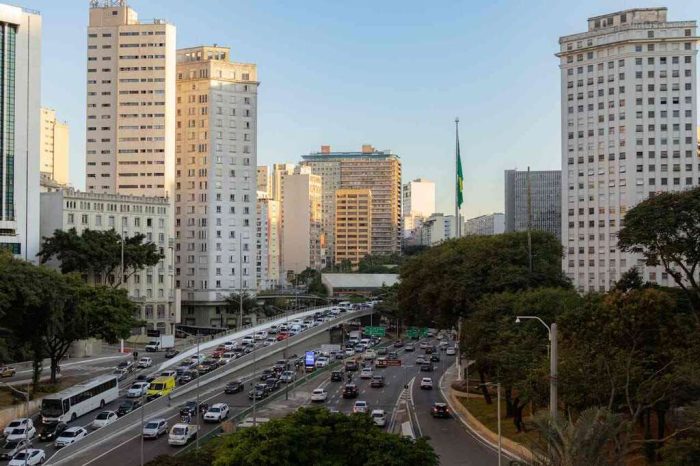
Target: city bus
[(79, 399)]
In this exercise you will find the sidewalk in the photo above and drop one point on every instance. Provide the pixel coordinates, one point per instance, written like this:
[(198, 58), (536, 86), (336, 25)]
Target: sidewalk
[(510, 448)]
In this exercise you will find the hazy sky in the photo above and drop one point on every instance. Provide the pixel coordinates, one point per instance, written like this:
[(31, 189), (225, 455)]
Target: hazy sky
[(389, 73)]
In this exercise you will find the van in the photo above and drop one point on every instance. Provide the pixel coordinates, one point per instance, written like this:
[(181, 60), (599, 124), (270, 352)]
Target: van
[(296, 328), (345, 305), (161, 386)]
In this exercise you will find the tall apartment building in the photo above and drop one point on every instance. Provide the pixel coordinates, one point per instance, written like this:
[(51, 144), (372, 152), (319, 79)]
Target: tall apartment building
[(20, 98), (267, 242), (492, 224), (435, 229), (216, 181), (535, 194), (353, 225), (379, 171), (53, 158), (130, 134), (279, 171), (264, 180), (303, 242), (628, 121), (418, 204), (153, 288)]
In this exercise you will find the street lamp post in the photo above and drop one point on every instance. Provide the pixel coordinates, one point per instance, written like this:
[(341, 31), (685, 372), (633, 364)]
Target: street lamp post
[(553, 355), (498, 416)]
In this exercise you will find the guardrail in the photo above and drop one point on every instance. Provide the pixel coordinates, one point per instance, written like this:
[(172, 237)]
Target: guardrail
[(132, 421)]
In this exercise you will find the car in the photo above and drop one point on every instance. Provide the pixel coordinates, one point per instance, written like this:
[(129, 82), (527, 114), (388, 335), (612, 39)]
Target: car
[(30, 457), (440, 410), (216, 413), (145, 378), (409, 348), (127, 365), (273, 383), (188, 376), (288, 376), (443, 344), (370, 355), (267, 373), (230, 345), (171, 353), (336, 376), (248, 339), (379, 417), (393, 355), (168, 373), (450, 351), (23, 432), (154, 428), (103, 419), (360, 407), (350, 391), (234, 387), (434, 357), (258, 392), (430, 350), (7, 371), (426, 367), (426, 383), (377, 381), (145, 362), (382, 351), (322, 362), (351, 366), (11, 447), (128, 406), (282, 336), (190, 408), (121, 374), (17, 423), (70, 436), (366, 373), (398, 343), (319, 395), (137, 390), (421, 360), (52, 430), (228, 356)]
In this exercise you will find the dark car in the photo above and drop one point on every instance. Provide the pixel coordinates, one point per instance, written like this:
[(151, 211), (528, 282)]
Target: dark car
[(187, 376), (207, 366), (171, 353), (272, 383), (128, 406), (393, 355), (234, 387), (145, 378), (427, 367), (266, 374), (52, 430), (377, 381), (351, 366), (336, 376), (350, 391), (429, 350), (190, 408), (382, 351), (258, 392), (434, 357), (410, 347), (398, 343), (440, 410)]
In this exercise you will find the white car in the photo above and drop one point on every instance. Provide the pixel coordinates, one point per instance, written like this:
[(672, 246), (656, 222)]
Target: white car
[(349, 352), (321, 362), (230, 345), (370, 354), (379, 417), (228, 356), (261, 335), (287, 377), (172, 373), (145, 362), (17, 423), (366, 373), (155, 428), (360, 407), (217, 413), (29, 457), (319, 394), (19, 433), (248, 339), (103, 419), (70, 436), (450, 351), (426, 383), (424, 344), (137, 390)]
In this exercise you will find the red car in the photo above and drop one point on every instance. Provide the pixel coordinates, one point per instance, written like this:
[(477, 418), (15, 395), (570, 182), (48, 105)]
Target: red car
[(282, 336), (440, 410)]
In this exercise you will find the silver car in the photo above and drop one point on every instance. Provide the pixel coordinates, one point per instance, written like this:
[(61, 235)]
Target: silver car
[(12, 447), (155, 428)]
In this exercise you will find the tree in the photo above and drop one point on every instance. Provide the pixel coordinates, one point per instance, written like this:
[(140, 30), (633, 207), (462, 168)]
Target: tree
[(322, 438), (665, 230), (97, 254)]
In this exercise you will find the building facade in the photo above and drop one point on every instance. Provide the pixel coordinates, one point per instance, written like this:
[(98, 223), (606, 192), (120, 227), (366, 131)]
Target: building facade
[(54, 147), (418, 204), (20, 95), (153, 288), (535, 194), (492, 224), (267, 242), (216, 181), (130, 133), (303, 242), (628, 122), (264, 180), (353, 225)]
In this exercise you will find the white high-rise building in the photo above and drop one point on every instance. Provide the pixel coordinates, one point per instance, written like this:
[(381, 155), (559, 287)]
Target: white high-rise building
[(267, 242), (628, 122), (418, 204), (20, 97), (215, 198), (130, 133)]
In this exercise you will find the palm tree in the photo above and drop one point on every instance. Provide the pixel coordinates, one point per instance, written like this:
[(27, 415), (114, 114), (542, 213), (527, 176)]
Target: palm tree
[(596, 438)]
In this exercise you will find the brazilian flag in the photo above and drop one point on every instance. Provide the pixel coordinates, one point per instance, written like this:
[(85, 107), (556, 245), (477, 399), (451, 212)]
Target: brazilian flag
[(460, 178)]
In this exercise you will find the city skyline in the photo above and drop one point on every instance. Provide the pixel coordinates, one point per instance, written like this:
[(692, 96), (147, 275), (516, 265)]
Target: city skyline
[(255, 34)]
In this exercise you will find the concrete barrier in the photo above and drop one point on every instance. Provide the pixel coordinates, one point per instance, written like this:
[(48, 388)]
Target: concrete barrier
[(18, 410)]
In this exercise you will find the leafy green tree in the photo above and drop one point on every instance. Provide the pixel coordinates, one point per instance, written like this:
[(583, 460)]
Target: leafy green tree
[(683, 446), (97, 254), (665, 230), (319, 437)]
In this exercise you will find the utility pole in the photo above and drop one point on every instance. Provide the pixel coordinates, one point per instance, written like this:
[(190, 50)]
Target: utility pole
[(553, 372)]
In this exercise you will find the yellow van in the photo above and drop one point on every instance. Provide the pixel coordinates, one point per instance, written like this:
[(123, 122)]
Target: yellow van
[(161, 386)]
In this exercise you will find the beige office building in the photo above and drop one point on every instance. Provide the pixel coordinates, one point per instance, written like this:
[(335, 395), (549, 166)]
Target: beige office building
[(303, 242), (267, 244), (215, 195), (264, 180), (279, 171), (130, 137), (353, 225), (54, 157)]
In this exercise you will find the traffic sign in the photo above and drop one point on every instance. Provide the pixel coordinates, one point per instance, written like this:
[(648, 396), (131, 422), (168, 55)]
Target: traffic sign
[(375, 331), (415, 332)]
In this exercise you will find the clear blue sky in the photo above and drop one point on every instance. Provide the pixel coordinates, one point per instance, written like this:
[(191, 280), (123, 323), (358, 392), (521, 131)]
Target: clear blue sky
[(392, 73)]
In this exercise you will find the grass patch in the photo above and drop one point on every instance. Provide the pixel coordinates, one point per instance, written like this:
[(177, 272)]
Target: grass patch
[(486, 414)]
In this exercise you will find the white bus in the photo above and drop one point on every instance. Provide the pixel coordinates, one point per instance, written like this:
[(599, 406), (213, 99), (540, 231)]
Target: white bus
[(80, 399)]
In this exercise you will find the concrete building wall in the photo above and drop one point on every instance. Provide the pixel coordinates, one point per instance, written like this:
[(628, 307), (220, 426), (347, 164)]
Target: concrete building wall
[(267, 242), (54, 157), (353, 225), (302, 238), (492, 224), (545, 199)]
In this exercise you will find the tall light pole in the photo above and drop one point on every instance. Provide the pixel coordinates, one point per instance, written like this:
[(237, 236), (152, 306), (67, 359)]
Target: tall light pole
[(553, 354)]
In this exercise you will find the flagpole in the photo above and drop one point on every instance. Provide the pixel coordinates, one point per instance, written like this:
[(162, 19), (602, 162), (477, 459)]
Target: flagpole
[(458, 226)]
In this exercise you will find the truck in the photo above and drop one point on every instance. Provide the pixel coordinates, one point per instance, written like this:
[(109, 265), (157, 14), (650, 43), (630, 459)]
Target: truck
[(330, 350), (354, 336), (161, 343), (182, 433)]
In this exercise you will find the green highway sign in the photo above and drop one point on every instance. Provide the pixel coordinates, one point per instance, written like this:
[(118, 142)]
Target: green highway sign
[(415, 332), (375, 331)]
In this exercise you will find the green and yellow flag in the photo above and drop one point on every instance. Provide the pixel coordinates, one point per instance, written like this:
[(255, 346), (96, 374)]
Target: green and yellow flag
[(460, 178)]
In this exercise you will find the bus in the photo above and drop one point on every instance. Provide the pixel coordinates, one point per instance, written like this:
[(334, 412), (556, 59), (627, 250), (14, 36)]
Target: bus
[(80, 399)]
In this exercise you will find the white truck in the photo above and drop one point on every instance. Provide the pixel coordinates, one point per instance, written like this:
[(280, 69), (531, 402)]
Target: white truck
[(161, 343), (182, 433), (329, 350)]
